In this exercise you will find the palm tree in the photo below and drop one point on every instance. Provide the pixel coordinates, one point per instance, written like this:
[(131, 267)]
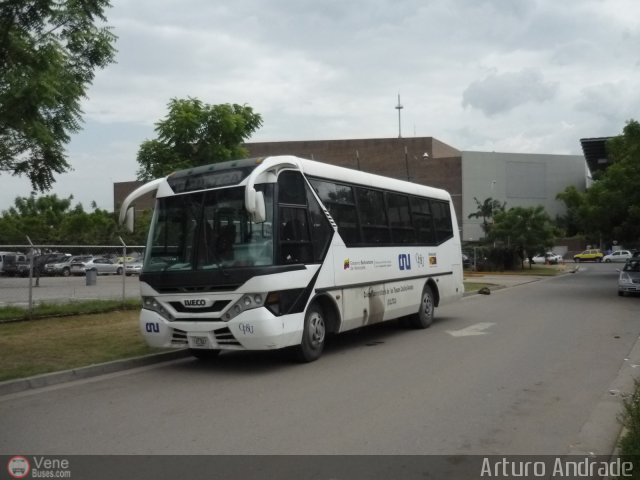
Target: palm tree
[(487, 210)]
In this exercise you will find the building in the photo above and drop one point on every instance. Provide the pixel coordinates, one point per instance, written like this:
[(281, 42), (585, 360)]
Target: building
[(515, 178), (520, 180)]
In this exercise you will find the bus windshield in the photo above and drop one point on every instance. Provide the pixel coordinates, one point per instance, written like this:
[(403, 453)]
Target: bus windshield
[(208, 231)]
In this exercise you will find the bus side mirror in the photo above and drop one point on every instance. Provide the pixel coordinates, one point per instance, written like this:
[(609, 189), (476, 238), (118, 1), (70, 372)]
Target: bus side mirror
[(129, 219), (259, 213)]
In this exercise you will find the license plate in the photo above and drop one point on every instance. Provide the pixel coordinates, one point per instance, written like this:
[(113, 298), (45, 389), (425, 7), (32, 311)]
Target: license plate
[(199, 341)]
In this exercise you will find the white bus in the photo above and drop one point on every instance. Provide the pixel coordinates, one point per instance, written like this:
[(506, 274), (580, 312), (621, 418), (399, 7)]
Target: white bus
[(275, 252)]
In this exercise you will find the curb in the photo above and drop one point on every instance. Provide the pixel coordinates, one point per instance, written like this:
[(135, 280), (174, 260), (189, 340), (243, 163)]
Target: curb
[(49, 379)]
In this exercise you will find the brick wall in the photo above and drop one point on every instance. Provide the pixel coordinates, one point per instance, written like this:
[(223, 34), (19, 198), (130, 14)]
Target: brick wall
[(384, 156)]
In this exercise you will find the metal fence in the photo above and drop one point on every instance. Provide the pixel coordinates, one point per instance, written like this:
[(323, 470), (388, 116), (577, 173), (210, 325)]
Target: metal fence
[(35, 288)]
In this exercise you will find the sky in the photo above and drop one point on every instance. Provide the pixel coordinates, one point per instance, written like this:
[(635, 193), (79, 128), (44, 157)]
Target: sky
[(525, 76)]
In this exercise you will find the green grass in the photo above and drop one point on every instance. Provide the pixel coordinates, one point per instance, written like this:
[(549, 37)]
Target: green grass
[(543, 270), (54, 344), (535, 270), (48, 310), (630, 442)]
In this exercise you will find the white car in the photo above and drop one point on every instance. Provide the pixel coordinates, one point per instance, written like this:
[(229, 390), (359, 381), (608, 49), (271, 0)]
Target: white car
[(103, 266), (548, 258), (133, 268), (618, 256)]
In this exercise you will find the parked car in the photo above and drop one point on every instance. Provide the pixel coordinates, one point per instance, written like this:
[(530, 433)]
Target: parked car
[(133, 268), (17, 266), (547, 258), (6, 259), (64, 268), (103, 266), (594, 255), (629, 278), (43, 260), (618, 256)]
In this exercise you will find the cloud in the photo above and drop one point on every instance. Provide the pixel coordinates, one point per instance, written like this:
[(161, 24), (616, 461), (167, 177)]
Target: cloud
[(500, 93), (521, 76)]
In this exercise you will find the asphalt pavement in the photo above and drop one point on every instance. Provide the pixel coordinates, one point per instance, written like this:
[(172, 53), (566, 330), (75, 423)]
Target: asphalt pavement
[(63, 289), (536, 368), (15, 290)]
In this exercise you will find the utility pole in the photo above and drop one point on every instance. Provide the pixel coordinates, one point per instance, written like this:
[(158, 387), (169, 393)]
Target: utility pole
[(399, 107)]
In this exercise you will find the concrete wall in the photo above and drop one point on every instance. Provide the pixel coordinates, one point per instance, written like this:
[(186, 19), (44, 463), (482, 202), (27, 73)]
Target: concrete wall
[(520, 179)]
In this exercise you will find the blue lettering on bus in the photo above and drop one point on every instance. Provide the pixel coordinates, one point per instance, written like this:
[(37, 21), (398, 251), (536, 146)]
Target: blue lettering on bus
[(404, 261), (152, 327)]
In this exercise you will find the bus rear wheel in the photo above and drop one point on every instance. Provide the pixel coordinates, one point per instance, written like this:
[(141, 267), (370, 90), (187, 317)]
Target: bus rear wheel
[(313, 335), (424, 317), (204, 355)]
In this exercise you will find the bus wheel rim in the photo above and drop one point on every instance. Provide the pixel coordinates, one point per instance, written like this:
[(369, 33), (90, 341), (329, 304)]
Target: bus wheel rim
[(427, 305), (316, 329)]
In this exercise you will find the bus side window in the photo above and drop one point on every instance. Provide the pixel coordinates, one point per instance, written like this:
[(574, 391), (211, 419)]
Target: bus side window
[(373, 216), (339, 200), (321, 230), (423, 221), (442, 220), (295, 241), (295, 244)]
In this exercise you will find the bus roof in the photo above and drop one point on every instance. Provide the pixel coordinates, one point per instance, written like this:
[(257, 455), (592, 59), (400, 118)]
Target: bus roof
[(358, 177)]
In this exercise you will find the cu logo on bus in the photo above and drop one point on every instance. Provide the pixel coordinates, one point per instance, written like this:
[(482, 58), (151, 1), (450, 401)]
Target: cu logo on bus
[(404, 261), (152, 327)]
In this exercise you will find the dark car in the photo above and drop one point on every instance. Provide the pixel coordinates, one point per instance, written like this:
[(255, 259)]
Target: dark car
[(629, 278), (42, 261), (17, 266)]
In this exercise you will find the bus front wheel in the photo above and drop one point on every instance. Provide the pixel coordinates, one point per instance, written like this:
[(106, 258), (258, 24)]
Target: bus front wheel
[(313, 335), (424, 317)]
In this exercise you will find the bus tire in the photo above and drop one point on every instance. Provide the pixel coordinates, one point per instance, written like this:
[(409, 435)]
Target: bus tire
[(314, 333), (204, 355), (424, 317)]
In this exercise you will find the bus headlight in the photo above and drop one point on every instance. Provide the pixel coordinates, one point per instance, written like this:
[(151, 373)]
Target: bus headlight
[(150, 303), (279, 303), (247, 302)]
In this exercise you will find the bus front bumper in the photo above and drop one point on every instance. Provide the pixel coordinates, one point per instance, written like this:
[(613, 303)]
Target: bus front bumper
[(256, 329)]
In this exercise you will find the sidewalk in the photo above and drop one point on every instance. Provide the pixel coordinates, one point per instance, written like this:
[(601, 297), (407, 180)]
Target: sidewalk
[(503, 280)]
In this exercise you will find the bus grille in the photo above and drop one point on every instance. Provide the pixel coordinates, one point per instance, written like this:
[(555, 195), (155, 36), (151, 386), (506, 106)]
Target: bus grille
[(216, 307), (225, 337), (179, 337)]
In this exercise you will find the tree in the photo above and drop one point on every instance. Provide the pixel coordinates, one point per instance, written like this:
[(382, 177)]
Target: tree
[(610, 208), (54, 221), (49, 50), (527, 230), (194, 133), (487, 210)]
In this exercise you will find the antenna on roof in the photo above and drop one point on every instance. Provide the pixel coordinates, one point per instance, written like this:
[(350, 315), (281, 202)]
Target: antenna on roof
[(399, 107)]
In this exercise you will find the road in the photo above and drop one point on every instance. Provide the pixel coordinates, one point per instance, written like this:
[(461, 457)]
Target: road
[(532, 369), (15, 290)]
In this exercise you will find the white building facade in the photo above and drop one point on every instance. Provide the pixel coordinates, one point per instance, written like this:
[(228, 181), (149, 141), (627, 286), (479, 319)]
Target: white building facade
[(520, 180)]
